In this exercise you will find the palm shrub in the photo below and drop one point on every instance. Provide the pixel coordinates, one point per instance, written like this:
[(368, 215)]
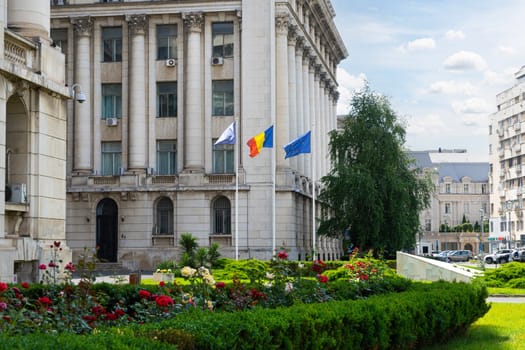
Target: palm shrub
[(189, 244)]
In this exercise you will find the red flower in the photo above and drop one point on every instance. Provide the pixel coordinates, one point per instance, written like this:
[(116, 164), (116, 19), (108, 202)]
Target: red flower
[(318, 266), (363, 277), (111, 316), (220, 285), (56, 243), (3, 287), (162, 283), (98, 310), (52, 264), (119, 312), (283, 255), (89, 318), (25, 285), (42, 267), (144, 293), (322, 278), (70, 267), (164, 301), (44, 301)]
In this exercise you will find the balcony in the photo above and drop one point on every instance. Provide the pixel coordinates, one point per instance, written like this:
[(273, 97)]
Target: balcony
[(19, 50), (517, 126)]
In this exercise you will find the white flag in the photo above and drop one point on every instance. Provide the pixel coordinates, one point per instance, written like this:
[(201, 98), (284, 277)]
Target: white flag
[(227, 137)]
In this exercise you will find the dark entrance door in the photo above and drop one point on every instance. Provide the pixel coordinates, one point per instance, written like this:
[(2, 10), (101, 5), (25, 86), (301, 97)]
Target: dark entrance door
[(107, 230)]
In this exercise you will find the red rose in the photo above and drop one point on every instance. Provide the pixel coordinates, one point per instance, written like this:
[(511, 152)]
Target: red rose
[(111, 316), (162, 283), (52, 264), (3, 287), (70, 267), (220, 285), (56, 243), (283, 255), (98, 310), (89, 318), (322, 278), (164, 301), (144, 293), (42, 267), (44, 301), (119, 312), (25, 285)]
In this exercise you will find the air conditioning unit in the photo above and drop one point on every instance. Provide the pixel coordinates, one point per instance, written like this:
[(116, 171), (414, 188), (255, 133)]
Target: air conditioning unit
[(18, 193), (111, 121), (217, 61), (171, 62)]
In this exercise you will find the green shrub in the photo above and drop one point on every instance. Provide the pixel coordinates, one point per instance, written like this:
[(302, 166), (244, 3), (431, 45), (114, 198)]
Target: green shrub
[(505, 276)]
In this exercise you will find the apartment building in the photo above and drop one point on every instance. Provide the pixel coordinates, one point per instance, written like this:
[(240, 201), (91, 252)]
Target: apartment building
[(32, 142), (161, 81), (506, 138), (461, 195)]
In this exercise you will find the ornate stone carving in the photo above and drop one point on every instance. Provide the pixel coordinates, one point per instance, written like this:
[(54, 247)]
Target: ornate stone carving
[(282, 22), (83, 26), (292, 35), (193, 21), (137, 24), (306, 53), (299, 44)]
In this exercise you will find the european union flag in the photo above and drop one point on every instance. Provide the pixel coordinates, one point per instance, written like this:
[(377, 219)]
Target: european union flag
[(298, 146)]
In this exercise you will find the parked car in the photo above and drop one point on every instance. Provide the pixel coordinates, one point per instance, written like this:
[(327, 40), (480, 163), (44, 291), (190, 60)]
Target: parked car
[(459, 255), (519, 255), (442, 256), (499, 257)]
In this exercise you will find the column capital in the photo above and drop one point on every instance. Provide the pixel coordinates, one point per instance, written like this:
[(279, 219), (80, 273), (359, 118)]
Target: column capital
[(292, 35), (306, 53), (83, 26), (282, 21), (299, 44), (313, 60), (137, 24), (193, 21)]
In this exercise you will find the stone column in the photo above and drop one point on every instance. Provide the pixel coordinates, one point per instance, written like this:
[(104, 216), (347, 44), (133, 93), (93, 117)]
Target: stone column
[(193, 116), (317, 122), (326, 124), (29, 18), (138, 126), (281, 86), (82, 132), (292, 90), (311, 114), (299, 128), (306, 104)]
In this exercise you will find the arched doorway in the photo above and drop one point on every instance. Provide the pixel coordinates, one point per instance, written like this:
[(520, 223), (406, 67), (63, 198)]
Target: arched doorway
[(107, 230)]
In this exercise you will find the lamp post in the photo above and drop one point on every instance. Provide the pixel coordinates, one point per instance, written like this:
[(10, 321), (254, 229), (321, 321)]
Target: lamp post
[(481, 244), (509, 230)]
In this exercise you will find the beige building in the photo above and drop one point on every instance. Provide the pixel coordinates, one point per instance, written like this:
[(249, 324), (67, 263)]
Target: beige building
[(460, 194), (32, 141), (506, 135), (162, 80)]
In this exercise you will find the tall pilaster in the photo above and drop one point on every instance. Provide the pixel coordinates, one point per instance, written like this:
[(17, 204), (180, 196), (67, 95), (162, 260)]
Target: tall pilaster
[(138, 126), (306, 103), (292, 89), (281, 85), (194, 117), (299, 128), (317, 122), (83, 27), (311, 114)]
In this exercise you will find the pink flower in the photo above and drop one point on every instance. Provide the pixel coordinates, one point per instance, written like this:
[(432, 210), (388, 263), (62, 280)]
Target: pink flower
[(56, 243), (42, 267), (70, 267), (52, 264)]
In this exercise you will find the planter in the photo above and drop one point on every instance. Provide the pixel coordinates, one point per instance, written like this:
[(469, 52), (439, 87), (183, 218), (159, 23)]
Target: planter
[(163, 277)]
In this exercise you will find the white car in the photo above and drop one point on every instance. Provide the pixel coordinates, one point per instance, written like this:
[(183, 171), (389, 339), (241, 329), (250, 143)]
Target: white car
[(499, 257)]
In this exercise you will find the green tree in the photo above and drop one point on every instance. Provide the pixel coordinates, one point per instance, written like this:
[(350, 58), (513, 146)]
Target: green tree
[(373, 188)]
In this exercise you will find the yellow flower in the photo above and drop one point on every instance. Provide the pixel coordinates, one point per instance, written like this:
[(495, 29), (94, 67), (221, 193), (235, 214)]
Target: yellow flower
[(188, 272)]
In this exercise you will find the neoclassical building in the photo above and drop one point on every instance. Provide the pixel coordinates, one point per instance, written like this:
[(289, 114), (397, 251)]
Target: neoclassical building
[(32, 141), (161, 81)]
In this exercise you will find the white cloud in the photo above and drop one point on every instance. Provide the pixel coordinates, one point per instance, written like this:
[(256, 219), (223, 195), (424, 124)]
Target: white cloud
[(454, 35), (452, 87), (472, 106), (507, 49), (465, 60), (427, 124), (348, 85), (502, 78), (419, 45)]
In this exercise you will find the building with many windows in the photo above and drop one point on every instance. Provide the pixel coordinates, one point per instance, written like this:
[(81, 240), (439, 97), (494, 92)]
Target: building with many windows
[(460, 196), (506, 135), (162, 81), (32, 142)]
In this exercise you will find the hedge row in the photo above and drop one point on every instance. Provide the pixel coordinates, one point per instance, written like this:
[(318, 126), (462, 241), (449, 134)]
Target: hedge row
[(424, 314)]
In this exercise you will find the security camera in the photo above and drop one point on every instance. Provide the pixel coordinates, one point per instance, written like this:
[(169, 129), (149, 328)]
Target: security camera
[(80, 97)]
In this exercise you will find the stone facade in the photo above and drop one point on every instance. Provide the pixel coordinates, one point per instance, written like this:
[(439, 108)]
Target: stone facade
[(506, 141), (256, 62), (32, 141), (460, 192)]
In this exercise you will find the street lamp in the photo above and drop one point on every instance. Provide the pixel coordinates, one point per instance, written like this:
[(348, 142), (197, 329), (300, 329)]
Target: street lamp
[(509, 210), (481, 244)]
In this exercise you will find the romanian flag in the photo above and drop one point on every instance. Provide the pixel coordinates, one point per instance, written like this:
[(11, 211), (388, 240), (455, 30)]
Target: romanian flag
[(264, 139)]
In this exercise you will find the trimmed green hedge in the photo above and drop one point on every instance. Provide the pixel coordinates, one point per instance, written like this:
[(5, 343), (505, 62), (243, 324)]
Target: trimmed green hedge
[(424, 314)]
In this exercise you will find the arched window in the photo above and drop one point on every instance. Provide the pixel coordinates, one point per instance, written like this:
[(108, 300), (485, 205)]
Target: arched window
[(222, 216), (164, 217)]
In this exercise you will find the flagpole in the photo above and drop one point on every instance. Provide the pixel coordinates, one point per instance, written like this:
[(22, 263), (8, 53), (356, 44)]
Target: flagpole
[(272, 107), (312, 161), (236, 158)]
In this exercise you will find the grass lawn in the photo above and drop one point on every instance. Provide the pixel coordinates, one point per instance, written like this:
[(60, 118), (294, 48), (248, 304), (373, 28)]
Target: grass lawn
[(506, 291), (502, 328)]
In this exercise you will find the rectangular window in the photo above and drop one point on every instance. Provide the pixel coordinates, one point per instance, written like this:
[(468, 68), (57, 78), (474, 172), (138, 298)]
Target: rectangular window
[(166, 99), (111, 158), (223, 159), (222, 97), (59, 37), (447, 188), (428, 225), (112, 44), (167, 157), (484, 188), (166, 41), (222, 39), (465, 188), (447, 208), (111, 101)]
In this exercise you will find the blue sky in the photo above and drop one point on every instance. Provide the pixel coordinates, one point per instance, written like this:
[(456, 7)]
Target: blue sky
[(440, 63)]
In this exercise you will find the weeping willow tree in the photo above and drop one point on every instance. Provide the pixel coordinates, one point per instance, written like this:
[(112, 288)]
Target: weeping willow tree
[(373, 190)]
